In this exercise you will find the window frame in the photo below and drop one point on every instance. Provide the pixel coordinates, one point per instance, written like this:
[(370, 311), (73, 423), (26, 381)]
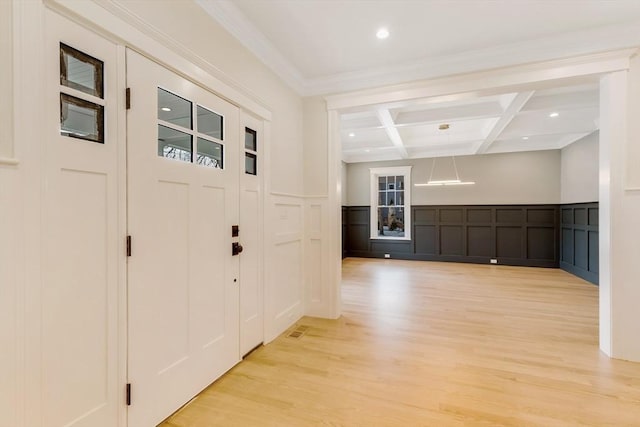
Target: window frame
[(374, 174)]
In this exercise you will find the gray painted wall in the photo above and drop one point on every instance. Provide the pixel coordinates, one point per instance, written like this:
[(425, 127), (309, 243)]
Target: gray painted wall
[(579, 170), (511, 178), (345, 183)]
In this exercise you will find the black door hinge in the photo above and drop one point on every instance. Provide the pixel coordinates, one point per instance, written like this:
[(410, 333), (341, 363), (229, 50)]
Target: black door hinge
[(128, 394), (128, 98), (128, 245)]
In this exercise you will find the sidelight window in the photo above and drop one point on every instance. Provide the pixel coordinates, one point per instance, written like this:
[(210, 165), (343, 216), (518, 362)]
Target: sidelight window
[(81, 95), (250, 151)]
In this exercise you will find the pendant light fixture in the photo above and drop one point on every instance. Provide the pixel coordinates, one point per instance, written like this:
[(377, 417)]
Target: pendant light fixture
[(456, 181)]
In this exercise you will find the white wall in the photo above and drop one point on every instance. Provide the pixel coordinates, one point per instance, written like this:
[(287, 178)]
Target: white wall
[(513, 178), (10, 284), (579, 170), (315, 146)]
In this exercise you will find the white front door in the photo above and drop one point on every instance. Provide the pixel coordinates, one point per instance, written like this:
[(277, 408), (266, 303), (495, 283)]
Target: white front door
[(251, 225), (182, 203), (73, 320)]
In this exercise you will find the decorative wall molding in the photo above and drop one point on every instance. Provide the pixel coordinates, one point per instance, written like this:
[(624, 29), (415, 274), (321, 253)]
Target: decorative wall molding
[(579, 240), (525, 235), (9, 161)]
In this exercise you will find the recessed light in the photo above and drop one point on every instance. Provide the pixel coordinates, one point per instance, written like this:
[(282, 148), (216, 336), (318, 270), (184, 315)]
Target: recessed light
[(367, 150), (351, 134), (382, 33), (166, 109), (554, 114), (525, 137)]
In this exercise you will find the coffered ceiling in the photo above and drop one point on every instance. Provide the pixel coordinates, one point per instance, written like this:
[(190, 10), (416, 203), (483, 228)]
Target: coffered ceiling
[(533, 120), (330, 46)]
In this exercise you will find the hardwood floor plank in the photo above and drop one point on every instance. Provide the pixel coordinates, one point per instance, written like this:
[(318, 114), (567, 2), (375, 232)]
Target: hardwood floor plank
[(434, 344)]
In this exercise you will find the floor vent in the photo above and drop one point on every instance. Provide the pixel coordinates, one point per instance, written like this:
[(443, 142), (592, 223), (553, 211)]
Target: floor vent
[(298, 332)]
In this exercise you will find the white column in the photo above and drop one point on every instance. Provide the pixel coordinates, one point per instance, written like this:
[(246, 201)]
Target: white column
[(334, 202), (619, 215)]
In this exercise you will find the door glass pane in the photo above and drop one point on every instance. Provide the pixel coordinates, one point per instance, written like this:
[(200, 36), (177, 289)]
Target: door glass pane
[(81, 71), (399, 197), (209, 153), (250, 139), (209, 123), (382, 183), (399, 182), (81, 119), (250, 166), (173, 109), (174, 145)]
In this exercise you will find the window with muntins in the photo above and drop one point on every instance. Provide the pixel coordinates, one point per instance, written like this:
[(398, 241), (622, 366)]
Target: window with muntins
[(390, 203), (183, 124)]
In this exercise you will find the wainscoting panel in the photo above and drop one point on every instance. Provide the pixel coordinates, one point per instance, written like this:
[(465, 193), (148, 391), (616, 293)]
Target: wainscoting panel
[(512, 235), (424, 239), (579, 243)]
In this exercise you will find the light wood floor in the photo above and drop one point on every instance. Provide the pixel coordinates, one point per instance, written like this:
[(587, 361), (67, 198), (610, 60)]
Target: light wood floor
[(434, 344)]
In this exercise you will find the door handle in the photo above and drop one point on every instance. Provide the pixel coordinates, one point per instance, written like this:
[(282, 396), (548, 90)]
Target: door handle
[(236, 248)]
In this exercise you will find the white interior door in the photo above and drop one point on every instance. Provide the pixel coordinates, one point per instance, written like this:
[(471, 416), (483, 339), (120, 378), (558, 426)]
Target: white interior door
[(251, 226), (77, 310), (183, 200)]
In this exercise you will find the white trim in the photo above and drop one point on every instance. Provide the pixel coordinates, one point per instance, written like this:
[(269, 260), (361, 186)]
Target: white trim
[(9, 161), (374, 173), (297, 196), (138, 35), (8, 47), (488, 82)]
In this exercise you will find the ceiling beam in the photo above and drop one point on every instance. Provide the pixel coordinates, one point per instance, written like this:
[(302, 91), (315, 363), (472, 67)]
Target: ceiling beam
[(390, 127), (509, 114)]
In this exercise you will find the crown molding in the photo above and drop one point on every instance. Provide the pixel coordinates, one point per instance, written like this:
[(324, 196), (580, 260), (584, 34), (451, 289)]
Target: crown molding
[(235, 22), (565, 45)]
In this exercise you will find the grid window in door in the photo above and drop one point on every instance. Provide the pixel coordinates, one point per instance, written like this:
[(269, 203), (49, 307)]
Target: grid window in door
[(185, 128)]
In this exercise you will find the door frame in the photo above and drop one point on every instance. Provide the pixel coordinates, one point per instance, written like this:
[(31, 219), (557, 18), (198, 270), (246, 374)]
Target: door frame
[(608, 66)]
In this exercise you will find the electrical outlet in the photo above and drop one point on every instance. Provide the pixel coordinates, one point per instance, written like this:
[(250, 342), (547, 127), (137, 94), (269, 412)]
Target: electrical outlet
[(494, 261), (387, 255)]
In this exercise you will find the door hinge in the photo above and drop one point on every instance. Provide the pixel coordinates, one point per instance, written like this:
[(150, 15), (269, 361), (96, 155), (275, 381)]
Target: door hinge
[(128, 394), (128, 245), (128, 98)]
